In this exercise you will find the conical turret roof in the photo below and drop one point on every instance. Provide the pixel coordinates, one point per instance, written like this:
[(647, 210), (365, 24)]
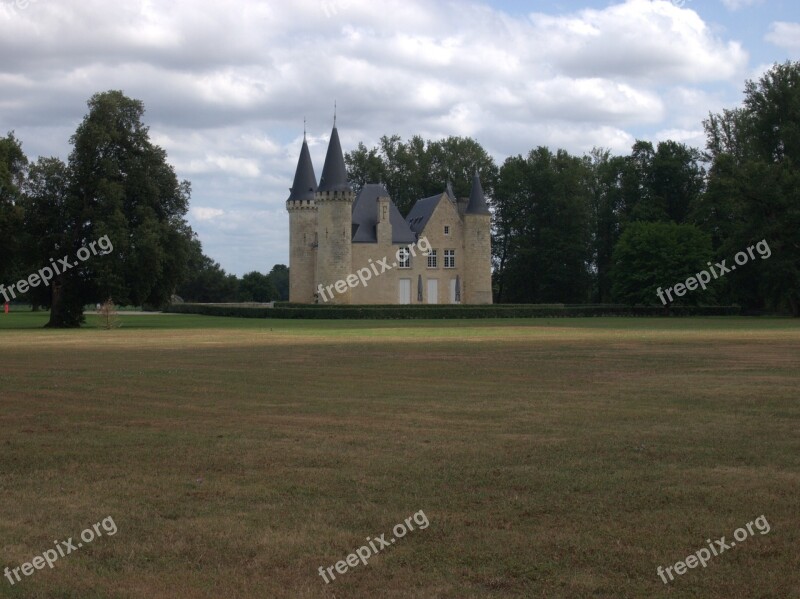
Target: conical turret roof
[(305, 181), (334, 173), (477, 201)]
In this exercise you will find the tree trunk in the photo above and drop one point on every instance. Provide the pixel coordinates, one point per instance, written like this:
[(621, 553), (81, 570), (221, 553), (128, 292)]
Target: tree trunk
[(66, 311), (56, 307), (501, 270)]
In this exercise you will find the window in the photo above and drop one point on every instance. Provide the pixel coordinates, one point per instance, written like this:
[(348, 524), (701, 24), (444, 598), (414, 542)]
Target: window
[(447, 229), (403, 258), (449, 258), (432, 259)]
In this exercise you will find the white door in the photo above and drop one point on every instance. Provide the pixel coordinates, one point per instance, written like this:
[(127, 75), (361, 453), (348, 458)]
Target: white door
[(453, 291), (404, 296), (433, 291)]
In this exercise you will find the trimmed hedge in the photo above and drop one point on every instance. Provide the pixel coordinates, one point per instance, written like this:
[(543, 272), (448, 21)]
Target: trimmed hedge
[(340, 312), (415, 306)]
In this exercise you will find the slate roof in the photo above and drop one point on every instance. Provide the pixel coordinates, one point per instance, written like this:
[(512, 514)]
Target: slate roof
[(334, 173), (365, 207), (365, 217), (477, 201), (305, 181), (421, 212)]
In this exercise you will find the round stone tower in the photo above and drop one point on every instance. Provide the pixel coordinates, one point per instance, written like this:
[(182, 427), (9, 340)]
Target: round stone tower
[(334, 200), (477, 247), (302, 209)]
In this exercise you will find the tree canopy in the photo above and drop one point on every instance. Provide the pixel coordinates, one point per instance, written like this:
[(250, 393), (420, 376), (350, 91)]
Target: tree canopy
[(559, 219), (754, 188), (12, 170), (654, 255), (117, 186), (418, 169)]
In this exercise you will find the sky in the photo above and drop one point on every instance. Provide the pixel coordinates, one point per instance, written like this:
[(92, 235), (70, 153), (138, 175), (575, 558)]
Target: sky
[(227, 85)]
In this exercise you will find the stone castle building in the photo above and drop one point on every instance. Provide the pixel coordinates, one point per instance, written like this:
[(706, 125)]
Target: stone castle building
[(439, 253)]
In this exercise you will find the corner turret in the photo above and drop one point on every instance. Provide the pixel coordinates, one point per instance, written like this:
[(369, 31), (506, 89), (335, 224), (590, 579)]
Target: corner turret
[(477, 201), (305, 181), (302, 209), (477, 247), (334, 200)]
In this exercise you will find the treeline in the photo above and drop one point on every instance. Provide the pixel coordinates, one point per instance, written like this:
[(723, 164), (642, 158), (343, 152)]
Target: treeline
[(209, 283), (116, 187), (568, 229), (601, 228)]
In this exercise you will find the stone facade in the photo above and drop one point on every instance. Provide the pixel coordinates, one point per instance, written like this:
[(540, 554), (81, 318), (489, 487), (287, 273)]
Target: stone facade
[(334, 255), (346, 249)]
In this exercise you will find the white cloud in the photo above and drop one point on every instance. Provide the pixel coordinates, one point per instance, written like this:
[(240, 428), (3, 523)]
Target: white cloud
[(201, 213), (785, 35), (639, 39), (739, 4), (758, 71), (226, 89), (232, 165), (691, 137)]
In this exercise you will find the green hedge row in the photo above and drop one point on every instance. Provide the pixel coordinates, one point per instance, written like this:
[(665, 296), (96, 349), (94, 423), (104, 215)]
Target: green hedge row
[(445, 311), (421, 306)]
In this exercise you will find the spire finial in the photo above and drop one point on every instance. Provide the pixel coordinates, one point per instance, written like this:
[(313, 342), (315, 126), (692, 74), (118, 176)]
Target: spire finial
[(304, 128), (334, 113)]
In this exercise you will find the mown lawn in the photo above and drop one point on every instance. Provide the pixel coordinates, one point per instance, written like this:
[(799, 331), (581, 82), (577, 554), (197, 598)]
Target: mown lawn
[(551, 457)]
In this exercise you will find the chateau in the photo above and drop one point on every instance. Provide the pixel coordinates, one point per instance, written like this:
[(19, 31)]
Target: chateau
[(439, 253)]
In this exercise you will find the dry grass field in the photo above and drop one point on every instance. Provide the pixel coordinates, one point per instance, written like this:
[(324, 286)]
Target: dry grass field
[(552, 457)]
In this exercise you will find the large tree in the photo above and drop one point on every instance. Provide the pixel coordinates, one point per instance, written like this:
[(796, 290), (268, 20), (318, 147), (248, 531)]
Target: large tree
[(117, 185), (207, 281), (256, 287), (279, 275), (678, 179), (653, 255), (661, 184), (46, 205), (607, 207), (13, 163), (511, 223), (754, 188), (417, 168), (543, 219)]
